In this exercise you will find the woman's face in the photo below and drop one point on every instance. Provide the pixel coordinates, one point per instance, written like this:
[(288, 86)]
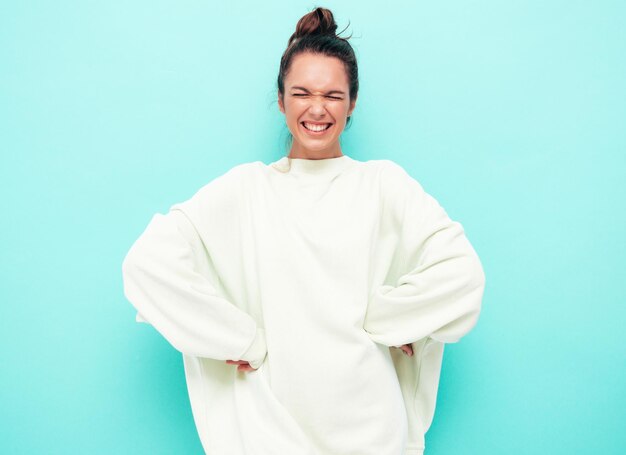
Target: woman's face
[(316, 96)]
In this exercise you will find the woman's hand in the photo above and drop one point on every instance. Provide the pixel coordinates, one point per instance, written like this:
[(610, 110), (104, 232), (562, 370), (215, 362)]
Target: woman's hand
[(407, 349), (243, 365)]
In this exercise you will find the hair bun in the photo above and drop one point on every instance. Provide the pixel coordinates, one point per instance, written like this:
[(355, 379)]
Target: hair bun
[(320, 21)]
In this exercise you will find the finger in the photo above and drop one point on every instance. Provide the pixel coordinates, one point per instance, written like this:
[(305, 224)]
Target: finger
[(236, 362)]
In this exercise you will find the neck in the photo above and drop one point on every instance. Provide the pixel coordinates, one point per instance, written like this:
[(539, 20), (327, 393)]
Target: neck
[(314, 156), (298, 151)]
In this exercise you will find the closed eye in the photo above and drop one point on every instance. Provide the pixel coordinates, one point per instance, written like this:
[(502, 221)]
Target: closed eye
[(331, 97)]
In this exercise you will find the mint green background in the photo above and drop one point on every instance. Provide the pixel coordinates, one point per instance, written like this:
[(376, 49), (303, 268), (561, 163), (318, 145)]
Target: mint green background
[(512, 114)]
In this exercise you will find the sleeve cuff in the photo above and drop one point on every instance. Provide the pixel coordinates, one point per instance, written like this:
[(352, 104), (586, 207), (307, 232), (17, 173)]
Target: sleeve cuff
[(255, 354), (140, 318)]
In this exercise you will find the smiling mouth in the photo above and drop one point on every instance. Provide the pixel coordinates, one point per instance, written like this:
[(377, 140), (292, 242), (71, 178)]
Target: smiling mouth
[(316, 128)]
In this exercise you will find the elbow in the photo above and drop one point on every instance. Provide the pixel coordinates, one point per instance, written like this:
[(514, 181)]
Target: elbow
[(475, 290), (132, 288), (475, 287), (126, 265), (477, 274), (134, 262), (131, 271), (466, 276), (129, 266), (473, 272), (470, 302)]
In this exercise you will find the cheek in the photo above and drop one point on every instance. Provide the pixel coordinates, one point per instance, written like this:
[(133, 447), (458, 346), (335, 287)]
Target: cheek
[(293, 110), (342, 111)]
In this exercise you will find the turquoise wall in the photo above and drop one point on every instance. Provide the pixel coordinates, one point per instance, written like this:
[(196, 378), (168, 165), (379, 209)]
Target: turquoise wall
[(512, 114)]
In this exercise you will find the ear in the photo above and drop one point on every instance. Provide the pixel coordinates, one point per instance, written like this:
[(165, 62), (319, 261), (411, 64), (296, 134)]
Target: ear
[(281, 105), (352, 106)]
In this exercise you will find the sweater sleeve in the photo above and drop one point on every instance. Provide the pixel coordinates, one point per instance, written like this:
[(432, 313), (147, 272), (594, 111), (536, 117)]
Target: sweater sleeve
[(439, 290), (162, 281)]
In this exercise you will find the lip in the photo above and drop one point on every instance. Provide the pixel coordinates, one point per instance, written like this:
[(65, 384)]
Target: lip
[(316, 133)]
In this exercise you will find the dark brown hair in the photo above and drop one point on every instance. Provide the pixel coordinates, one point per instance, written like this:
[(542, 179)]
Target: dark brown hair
[(315, 33)]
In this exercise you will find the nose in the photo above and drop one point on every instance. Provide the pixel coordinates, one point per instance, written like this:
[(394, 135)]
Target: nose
[(318, 106)]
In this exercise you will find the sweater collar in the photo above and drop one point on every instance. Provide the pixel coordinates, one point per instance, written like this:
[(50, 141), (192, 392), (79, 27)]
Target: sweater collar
[(321, 166)]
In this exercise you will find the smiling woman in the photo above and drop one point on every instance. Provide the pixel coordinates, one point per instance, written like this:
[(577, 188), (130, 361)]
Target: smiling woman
[(317, 86), (316, 105), (288, 286)]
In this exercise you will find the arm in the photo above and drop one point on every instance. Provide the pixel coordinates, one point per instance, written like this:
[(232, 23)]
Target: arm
[(440, 294), (161, 280)]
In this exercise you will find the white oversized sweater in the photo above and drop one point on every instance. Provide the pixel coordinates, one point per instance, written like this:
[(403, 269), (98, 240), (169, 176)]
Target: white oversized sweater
[(310, 270)]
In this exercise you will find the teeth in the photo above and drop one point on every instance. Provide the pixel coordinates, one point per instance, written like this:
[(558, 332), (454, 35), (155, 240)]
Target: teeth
[(312, 127)]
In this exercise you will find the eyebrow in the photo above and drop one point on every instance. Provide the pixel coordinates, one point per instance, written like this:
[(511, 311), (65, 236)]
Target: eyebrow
[(327, 93)]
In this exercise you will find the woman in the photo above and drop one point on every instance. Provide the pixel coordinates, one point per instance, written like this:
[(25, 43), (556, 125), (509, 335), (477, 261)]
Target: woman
[(285, 285)]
